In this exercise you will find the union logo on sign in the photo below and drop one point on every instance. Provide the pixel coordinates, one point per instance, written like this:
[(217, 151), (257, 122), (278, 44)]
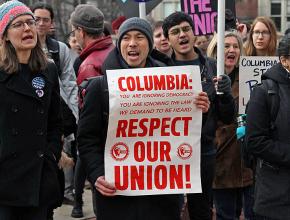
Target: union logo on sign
[(184, 151), (120, 151)]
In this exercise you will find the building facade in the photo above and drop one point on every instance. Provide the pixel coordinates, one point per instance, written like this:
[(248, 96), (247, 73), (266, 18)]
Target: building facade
[(278, 10)]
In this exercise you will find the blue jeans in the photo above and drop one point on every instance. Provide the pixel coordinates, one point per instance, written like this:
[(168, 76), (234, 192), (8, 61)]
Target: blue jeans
[(226, 202)]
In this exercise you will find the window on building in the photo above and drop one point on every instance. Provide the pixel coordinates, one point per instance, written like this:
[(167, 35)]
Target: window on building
[(170, 7), (275, 8), (276, 13)]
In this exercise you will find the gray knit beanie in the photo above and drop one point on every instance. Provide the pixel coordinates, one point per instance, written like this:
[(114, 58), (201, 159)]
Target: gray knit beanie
[(88, 17), (136, 24)]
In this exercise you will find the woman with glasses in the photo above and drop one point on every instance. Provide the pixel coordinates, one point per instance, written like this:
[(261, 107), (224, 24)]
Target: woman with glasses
[(30, 134), (262, 40)]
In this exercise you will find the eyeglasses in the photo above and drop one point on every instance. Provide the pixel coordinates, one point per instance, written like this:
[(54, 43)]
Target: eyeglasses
[(44, 20), (176, 31), (263, 33), (21, 24), (72, 33)]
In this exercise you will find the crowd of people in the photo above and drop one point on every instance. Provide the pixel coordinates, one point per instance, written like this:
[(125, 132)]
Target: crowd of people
[(54, 115)]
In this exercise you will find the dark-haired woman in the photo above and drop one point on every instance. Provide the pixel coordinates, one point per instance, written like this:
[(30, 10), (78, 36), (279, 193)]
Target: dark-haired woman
[(269, 140), (30, 134)]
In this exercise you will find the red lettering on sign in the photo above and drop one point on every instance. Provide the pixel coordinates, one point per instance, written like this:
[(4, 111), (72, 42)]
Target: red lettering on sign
[(118, 177), (160, 176), (148, 178), (137, 178), (152, 151), (153, 82), (153, 127)]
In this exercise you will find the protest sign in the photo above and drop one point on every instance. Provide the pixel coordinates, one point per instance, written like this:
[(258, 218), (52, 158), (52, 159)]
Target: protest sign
[(204, 13), (153, 139), (250, 71)]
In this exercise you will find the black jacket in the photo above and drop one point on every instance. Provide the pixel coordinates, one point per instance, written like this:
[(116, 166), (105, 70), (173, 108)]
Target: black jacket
[(92, 130), (222, 107), (271, 146), (30, 140)]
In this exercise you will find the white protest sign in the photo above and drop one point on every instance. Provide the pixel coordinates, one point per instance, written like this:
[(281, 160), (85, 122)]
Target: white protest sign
[(153, 139), (251, 69)]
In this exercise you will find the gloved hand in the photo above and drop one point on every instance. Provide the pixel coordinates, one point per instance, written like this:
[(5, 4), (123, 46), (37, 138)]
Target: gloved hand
[(224, 84)]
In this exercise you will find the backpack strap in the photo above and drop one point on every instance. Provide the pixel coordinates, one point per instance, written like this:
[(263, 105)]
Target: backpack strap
[(53, 49), (273, 99)]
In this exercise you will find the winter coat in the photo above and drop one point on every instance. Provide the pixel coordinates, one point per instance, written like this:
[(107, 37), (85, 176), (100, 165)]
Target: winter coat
[(93, 56), (30, 139), (92, 133), (271, 147), (230, 171)]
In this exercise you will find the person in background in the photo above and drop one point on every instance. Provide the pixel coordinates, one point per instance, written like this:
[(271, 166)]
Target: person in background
[(74, 45), (135, 34), (262, 40), (59, 53), (108, 30), (201, 42), (160, 42), (233, 181), (243, 30), (269, 140), (178, 29), (30, 119), (88, 26), (117, 23)]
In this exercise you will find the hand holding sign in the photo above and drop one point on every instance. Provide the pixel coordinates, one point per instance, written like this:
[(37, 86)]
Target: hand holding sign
[(202, 102), (104, 187)]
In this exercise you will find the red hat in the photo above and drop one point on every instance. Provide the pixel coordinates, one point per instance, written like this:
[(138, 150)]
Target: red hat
[(117, 22)]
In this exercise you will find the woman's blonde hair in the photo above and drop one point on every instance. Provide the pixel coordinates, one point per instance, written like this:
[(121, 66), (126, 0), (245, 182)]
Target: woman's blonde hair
[(250, 49), (212, 47)]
